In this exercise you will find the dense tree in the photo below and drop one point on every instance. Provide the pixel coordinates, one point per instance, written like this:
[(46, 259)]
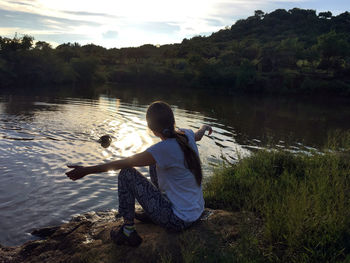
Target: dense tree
[(26, 42), (333, 44), (42, 45), (325, 15), (259, 14), (85, 69)]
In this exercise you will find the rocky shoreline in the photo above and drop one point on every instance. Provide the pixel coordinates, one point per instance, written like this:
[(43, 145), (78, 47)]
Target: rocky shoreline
[(85, 238)]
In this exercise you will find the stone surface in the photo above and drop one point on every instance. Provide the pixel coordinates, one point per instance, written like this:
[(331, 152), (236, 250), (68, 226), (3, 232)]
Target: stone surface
[(86, 239)]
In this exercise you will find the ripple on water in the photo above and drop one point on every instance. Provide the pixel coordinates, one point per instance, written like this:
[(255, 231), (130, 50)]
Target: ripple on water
[(36, 146)]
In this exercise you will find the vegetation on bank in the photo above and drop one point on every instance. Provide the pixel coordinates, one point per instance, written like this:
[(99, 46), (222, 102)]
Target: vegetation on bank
[(302, 199), (295, 51)]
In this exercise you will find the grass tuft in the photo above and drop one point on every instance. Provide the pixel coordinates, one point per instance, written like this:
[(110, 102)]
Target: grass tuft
[(302, 199)]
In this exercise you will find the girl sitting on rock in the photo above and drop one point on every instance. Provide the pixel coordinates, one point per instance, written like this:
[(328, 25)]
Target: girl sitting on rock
[(174, 198)]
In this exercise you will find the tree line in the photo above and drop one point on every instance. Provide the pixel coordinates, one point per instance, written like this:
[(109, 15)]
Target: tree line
[(296, 51)]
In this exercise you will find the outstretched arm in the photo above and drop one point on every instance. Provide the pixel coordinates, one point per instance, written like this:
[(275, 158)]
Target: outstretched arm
[(140, 159), (200, 133)]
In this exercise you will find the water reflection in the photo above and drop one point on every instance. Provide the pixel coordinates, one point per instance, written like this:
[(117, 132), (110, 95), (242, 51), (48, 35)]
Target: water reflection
[(26, 106), (291, 120)]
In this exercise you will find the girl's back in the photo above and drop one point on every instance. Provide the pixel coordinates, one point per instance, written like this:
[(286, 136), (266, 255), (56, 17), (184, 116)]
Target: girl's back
[(176, 180)]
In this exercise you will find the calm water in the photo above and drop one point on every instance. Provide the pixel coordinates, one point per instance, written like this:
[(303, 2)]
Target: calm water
[(40, 135)]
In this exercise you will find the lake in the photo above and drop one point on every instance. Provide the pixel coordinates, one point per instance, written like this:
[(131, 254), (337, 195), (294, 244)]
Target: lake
[(40, 134)]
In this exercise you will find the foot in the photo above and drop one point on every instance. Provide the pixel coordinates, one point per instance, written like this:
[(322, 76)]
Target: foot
[(120, 238)]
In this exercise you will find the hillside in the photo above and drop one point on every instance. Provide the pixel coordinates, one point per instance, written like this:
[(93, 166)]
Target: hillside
[(283, 52)]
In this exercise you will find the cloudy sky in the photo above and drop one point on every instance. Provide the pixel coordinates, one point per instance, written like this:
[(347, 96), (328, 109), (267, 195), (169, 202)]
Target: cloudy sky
[(124, 23)]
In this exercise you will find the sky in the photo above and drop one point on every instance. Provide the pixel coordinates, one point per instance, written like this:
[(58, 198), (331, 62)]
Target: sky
[(130, 23)]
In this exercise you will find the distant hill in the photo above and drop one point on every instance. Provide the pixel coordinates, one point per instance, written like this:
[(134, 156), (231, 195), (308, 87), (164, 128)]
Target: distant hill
[(283, 52)]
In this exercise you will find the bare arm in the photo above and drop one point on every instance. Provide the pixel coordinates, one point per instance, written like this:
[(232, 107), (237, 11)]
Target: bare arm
[(198, 135), (140, 159)]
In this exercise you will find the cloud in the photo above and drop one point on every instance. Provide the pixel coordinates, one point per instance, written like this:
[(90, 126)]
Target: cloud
[(235, 9), (158, 27), (110, 34), (213, 22), (20, 3), (32, 21), (84, 13), (62, 38), (55, 30)]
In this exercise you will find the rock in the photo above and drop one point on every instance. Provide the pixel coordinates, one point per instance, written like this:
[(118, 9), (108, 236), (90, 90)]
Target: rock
[(105, 141), (44, 232), (86, 239)]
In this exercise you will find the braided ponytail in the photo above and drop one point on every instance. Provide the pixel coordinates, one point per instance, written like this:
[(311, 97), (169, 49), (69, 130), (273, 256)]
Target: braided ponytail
[(192, 161)]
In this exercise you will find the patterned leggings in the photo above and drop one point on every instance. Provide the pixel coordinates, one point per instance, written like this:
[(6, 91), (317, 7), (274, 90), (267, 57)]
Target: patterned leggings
[(133, 185)]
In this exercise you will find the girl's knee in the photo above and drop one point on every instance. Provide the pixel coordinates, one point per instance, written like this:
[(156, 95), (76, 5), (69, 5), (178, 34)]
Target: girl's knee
[(127, 173)]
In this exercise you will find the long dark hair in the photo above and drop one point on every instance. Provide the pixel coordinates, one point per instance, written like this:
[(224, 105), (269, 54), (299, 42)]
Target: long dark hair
[(160, 118)]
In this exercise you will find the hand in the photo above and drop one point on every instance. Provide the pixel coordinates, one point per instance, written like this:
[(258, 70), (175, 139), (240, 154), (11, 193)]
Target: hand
[(198, 135), (77, 172), (209, 129)]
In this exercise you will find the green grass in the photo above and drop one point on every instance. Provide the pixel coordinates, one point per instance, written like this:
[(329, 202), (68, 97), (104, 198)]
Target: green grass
[(303, 201), (197, 248)]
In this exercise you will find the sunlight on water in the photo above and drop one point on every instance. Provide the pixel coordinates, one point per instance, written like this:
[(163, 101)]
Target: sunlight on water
[(39, 138)]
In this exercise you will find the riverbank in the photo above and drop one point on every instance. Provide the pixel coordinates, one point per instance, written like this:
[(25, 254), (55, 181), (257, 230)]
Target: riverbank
[(278, 207), (86, 239)]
